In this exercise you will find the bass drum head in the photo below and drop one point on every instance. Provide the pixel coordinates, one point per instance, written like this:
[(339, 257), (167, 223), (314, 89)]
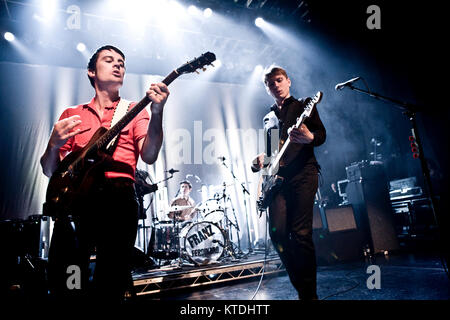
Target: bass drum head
[(204, 243), (214, 216)]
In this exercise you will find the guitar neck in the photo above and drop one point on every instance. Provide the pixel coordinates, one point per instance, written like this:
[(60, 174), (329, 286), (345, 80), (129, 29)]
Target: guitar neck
[(130, 115), (286, 143)]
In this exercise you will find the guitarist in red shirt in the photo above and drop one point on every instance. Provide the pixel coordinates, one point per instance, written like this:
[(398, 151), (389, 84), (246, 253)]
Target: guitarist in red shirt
[(107, 220), (291, 209)]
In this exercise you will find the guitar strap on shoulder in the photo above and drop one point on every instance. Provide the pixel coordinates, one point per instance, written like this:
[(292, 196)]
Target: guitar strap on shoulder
[(121, 110)]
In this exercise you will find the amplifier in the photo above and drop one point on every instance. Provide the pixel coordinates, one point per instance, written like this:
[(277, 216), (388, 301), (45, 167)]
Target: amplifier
[(364, 170)]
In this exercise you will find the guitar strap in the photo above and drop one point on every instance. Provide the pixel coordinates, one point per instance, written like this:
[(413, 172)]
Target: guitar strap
[(121, 110)]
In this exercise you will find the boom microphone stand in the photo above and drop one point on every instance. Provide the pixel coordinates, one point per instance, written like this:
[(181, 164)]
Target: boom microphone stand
[(410, 111)]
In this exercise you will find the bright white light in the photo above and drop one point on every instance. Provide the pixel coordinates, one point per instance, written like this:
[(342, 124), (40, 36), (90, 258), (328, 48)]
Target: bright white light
[(9, 36), (81, 47), (176, 9), (192, 10), (207, 13), (259, 68), (48, 9), (259, 22), (217, 63), (137, 13)]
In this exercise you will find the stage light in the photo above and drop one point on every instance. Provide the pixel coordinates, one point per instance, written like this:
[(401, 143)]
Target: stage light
[(207, 13), (49, 8), (81, 47), (259, 68), (259, 22), (192, 10), (217, 63), (9, 36)]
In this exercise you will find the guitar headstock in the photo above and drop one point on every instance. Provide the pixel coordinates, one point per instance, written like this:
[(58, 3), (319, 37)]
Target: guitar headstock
[(204, 60), (314, 100), (309, 106), (317, 98)]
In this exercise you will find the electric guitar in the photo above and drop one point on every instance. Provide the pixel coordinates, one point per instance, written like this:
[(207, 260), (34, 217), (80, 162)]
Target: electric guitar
[(77, 173), (271, 182)]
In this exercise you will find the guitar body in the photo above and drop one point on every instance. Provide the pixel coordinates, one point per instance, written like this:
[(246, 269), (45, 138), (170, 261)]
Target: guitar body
[(270, 185), (271, 182), (75, 178)]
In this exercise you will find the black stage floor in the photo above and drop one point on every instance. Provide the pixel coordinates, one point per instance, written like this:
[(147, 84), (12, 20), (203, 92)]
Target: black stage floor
[(403, 276)]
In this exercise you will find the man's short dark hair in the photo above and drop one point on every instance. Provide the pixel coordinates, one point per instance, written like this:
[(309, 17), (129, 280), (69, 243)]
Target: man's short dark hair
[(93, 61), (186, 182), (273, 71)]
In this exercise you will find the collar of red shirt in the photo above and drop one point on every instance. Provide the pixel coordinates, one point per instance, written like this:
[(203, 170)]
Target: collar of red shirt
[(91, 104)]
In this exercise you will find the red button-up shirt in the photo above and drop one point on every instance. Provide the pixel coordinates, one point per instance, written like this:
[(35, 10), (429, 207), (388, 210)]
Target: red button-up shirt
[(127, 150)]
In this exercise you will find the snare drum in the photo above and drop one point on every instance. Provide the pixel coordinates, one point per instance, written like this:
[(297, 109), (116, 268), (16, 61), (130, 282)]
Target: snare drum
[(204, 242), (164, 241)]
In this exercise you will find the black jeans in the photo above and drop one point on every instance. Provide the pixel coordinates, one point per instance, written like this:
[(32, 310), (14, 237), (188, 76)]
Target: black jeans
[(290, 228), (106, 227)]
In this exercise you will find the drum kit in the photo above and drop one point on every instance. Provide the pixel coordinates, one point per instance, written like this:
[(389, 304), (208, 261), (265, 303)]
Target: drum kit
[(205, 239)]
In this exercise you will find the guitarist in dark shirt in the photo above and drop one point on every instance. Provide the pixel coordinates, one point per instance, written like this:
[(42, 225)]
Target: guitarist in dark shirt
[(291, 210), (107, 223)]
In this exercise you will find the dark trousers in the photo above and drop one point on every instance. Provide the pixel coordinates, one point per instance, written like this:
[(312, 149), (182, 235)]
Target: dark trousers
[(290, 228), (106, 227)]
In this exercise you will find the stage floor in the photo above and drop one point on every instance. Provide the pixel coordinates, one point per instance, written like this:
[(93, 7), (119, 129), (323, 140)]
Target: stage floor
[(403, 276)]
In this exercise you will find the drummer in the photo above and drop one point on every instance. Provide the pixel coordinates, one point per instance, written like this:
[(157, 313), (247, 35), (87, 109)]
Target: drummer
[(183, 199)]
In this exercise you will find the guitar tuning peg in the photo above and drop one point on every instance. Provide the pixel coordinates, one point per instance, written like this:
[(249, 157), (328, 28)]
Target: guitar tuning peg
[(197, 72), (204, 69), (212, 64)]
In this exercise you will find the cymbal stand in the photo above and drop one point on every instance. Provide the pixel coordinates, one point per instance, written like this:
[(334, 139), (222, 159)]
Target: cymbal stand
[(176, 227), (228, 244), (240, 253), (244, 191)]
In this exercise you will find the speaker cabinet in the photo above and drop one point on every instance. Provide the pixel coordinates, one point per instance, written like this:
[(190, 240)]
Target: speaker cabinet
[(317, 220), (342, 240), (373, 213), (341, 219)]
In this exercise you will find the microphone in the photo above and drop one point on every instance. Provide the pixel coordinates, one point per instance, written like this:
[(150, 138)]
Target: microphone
[(172, 171), (221, 158), (340, 86)]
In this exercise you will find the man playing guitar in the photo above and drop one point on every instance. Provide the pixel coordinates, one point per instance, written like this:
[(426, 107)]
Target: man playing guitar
[(107, 222)]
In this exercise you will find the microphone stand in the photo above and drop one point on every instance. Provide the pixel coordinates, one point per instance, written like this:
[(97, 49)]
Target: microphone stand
[(410, 111), (244, 191)]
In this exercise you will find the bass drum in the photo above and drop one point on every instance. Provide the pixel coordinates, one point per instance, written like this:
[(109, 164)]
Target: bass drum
[(215, 216), (204, 242)]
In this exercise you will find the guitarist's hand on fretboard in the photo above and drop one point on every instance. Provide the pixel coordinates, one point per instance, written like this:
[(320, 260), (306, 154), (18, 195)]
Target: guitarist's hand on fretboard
[(301, 135), (158, 94)]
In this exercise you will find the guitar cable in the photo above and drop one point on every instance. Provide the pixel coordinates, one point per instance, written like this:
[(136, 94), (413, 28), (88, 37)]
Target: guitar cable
[(265, 258)]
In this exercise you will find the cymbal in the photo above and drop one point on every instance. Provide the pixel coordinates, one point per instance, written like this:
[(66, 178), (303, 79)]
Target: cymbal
[(178, 208), (221, 186)]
